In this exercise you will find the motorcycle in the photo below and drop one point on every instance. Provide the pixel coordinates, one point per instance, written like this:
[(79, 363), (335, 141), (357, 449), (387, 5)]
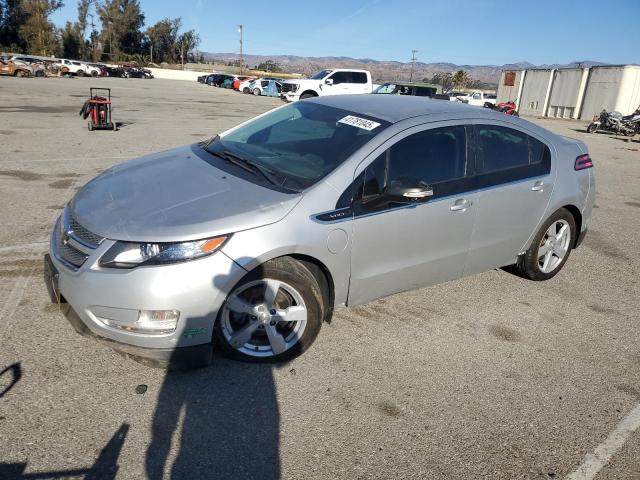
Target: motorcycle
[(616, 123), (508, 108)]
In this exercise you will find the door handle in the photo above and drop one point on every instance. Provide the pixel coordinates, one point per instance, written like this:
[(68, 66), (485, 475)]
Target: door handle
[(460, 205), (538, 186)]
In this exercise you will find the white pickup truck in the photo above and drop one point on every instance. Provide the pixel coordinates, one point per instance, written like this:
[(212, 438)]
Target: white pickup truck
[(336, 81), (480, 99)]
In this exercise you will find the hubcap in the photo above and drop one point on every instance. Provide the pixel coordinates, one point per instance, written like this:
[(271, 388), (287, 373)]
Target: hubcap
[(554, 246), (264, 318)]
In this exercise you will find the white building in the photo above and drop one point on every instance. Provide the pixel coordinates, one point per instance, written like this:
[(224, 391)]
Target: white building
[(572, 92)]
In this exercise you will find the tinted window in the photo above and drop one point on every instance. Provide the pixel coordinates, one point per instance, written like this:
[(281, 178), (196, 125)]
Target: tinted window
[(340, 77), (436, 157), (358, 77), (504, 148)]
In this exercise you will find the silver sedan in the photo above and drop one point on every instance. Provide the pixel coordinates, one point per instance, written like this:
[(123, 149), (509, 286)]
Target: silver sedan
[(254, 237)]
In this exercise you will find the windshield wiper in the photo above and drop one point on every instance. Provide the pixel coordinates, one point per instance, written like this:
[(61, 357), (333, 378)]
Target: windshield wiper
[(206, 143), (250, 166)]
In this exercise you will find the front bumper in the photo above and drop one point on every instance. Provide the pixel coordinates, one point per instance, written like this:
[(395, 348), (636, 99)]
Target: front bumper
[(197, 289)]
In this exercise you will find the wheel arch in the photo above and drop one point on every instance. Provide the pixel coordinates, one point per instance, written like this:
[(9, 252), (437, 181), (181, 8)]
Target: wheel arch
[(577, 217), (318, 269), (310, 92), (325, 279)]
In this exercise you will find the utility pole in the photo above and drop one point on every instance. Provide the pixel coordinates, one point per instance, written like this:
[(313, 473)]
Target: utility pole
[(413, 63), (151, 51), (182, 53), (241, 57), (93, 40)]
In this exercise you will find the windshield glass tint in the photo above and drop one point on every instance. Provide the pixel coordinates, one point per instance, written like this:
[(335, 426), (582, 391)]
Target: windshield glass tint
[(386, 88), (300, 143), (321, 74)]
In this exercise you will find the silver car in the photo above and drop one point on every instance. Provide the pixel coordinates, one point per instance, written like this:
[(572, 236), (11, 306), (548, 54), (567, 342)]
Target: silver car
[(251, 239)]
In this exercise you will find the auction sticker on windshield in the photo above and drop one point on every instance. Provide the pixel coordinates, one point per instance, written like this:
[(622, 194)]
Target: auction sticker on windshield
[(359, 122)]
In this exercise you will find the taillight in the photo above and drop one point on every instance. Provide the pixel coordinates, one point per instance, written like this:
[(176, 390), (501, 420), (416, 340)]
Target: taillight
[(582, 162)]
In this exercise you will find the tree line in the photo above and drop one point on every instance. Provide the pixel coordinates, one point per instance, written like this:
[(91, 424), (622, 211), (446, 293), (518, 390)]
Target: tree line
[(105, 30)]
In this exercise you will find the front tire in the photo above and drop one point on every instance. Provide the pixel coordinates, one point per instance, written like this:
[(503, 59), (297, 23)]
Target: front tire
[(550, 248), (592, 128), (256, 91), (246, 90), (307, 95), (273, 314)]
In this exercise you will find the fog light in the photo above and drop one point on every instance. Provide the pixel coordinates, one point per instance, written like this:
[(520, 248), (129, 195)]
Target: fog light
[(154, 322), (158, 321)]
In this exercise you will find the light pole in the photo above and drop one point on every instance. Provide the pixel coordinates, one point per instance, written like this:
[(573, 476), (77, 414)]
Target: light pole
[(241, 57)]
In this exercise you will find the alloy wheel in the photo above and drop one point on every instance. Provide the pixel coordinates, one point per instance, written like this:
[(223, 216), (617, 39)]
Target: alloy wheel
[(554, 246), (264, 318)]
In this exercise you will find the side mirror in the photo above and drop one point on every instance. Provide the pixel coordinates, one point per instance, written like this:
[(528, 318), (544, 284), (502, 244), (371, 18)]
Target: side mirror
[(329, 81), (402, 190), (408, 190)]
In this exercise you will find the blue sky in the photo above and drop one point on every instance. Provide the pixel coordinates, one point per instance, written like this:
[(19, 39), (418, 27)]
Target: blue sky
[(463, 32)]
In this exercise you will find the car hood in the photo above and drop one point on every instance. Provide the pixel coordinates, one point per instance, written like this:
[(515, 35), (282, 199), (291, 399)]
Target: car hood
[(174, 196)]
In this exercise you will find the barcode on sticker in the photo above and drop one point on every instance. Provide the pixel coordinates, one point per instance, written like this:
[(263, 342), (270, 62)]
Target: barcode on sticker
[(359, 122)]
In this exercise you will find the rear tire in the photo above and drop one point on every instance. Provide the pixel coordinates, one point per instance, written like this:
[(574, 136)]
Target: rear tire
[(80, 73), (250, 311), (550, 248)]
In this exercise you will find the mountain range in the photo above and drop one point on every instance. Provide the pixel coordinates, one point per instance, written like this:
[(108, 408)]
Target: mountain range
[(385, 70)]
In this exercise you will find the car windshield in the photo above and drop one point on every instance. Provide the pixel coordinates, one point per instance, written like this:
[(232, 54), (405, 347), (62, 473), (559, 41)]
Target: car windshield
[(321, 74), (300, 143), (386, 88)]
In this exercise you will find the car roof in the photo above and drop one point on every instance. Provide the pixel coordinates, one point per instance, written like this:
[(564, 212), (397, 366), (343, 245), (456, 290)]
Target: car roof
[(395, 108)]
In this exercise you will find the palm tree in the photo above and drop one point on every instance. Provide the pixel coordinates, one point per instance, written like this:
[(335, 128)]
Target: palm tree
[(461, 79)]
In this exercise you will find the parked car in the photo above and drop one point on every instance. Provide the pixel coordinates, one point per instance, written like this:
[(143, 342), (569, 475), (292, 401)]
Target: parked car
[(15, 68), (36, 65), (253, 237), (115, 71), (238, 81), (74, 67), (228, 82), (202, 78), (217, 79), (409, 88), (244, 85), (328, 82), (266, 87)]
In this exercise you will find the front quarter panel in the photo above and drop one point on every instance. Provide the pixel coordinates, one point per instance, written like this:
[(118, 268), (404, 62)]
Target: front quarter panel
[(300, 234)]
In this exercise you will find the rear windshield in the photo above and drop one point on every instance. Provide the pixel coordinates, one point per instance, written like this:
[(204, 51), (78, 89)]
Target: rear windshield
[(301, 142)]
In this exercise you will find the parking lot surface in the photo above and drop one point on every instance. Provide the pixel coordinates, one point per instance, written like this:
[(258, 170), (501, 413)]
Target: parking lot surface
[(490, 376)]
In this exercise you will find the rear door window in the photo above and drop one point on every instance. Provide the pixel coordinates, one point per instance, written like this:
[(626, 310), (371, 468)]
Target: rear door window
[(358, 77), (507, 154)]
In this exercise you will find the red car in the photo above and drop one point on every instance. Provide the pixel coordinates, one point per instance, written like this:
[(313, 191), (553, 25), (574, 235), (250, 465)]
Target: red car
[(236, 83)]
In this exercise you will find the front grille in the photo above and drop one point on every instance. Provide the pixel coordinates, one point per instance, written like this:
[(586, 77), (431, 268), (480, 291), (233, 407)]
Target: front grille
[(288, 87), (79, 233), (72, 242), (71, 255)]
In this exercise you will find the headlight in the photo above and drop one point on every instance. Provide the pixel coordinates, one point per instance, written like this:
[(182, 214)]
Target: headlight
[(129, 255)]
